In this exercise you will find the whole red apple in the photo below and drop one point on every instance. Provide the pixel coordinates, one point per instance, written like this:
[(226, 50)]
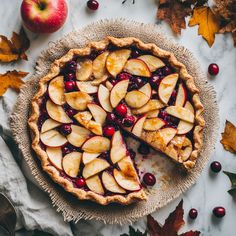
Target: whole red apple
[(44, 16)]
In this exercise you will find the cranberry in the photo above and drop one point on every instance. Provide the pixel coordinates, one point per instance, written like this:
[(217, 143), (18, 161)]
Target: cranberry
[(111, 118), (69, 76), (132, 86), (143, 149), (219, 212), (71, 66), (163, 114), (65, 150), (149, 179), (159, 72), (121, 110), (166, 70), (112, 81), (216, 166), (108, 131), (92, 5), (124, 75), (132, 153), (70, 112), (155, 81), (213, 69), (80, 182), (70, 85), (65, 129), (193, 213), (135, 53), (128, 121), (105, 155), (174, 94)]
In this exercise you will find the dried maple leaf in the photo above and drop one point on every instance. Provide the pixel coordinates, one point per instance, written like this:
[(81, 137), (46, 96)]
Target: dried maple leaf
[(229, 137), (11, 79), (174, 13), (209, 24), (172, 224), (14, 49)]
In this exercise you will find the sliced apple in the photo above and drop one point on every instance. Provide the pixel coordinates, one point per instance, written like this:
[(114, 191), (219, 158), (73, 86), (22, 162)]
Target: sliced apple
[(94, 167), (167, 86), (57, 113), (55, 156), (181, 113), (49, 124), (151, 105), (152, 62), (136, 99), (138, 126), (56, 90), (78, 100), (84, 118), (98, 113), (88, 157), (99, 65), (104, 98), (87, 87), (186, 150), (84, 70), (153, 124), (53, 138), (118, 92), (126, 182), (116, 61), (183, 126), (95, 185), (146, 89), (78, 135), (96, 82), (71, 163), (137, 67), (118, 147), (96, 144), (153, 114), (165, 135), (181, 96), (110, 183), (127, 167), (109, 85)]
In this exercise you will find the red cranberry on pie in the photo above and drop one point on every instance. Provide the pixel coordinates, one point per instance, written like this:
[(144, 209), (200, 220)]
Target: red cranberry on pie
[(213, 69), (138, 81), (135, 53), (69, 76), (65, 129), (71, 66), (124, 75), (70, 85), (155, 81), (111, 118), (80, 182), (149, 179), (163, 114), (128, 121), (166, 70), (121, 110), (65, 150), (70, 112), (108, 131)]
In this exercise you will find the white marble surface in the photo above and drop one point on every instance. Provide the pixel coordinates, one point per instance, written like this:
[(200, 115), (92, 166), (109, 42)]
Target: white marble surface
[(210, 190)]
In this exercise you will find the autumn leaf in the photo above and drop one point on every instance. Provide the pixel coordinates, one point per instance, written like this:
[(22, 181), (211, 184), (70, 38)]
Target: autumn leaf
[(11, 79), (133, 232), (172, 224), (14, 49), (229, 137), (232, 177), (209, 24)]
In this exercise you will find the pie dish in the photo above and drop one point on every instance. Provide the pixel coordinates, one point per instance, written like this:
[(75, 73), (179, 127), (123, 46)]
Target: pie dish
[(93, 97)]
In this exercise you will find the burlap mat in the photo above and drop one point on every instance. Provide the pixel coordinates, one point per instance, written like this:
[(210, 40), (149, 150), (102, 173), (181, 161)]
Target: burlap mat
[(171, 182)]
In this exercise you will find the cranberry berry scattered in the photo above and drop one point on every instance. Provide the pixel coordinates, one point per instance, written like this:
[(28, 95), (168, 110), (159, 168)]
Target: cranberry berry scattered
[(70, 112), (163, 114), (149, 179), (69, 76), (65, 150), (135, 53), (193, 213), (128, 121), (216, 166), (111, 118), (71, 66), (213, 69), (155, 81), (65, 129), (121, 110), (92, 5), (219, 212), (80, 182), (70, 85), (166, 70), (143, 149), (108, 131)]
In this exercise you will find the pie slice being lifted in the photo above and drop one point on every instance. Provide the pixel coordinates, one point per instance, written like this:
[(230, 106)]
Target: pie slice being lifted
[(92, 95)]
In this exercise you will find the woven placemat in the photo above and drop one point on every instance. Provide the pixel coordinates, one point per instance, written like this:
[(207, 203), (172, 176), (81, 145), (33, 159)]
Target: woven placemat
[(171, 182)]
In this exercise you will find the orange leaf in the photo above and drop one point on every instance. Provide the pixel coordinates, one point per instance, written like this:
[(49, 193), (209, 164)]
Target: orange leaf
[(229, 137), (208, 23), (14, 49), (11, 79)]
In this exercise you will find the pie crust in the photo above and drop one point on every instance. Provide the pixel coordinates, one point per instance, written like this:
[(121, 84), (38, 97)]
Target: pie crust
[(197, 136)]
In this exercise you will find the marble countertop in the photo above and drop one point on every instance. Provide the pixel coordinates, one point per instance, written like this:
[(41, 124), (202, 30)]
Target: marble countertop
[(210, 190)]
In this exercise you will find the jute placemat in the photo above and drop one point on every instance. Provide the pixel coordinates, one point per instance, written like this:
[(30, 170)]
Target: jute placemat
[(173, 182)]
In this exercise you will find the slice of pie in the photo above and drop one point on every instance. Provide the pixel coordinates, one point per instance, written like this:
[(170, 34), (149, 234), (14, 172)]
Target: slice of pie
[(92, 96)]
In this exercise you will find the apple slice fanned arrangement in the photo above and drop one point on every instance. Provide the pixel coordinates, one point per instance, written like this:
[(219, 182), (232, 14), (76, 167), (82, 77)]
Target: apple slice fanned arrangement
[(84, 107)]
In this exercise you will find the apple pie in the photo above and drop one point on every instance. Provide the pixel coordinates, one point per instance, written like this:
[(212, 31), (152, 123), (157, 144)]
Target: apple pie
[(94, 97)]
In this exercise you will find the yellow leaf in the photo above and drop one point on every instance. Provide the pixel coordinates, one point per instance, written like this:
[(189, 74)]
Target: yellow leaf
[(208, 23)]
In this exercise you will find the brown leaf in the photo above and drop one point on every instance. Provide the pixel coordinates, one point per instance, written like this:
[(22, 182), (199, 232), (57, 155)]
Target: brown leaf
[(209, 24), (174, 13), (229, 137), (172, 224), (14, 49), (11, 79)]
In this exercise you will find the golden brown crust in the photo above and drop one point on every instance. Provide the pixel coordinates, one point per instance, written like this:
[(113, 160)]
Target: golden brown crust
[(54, 71)]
